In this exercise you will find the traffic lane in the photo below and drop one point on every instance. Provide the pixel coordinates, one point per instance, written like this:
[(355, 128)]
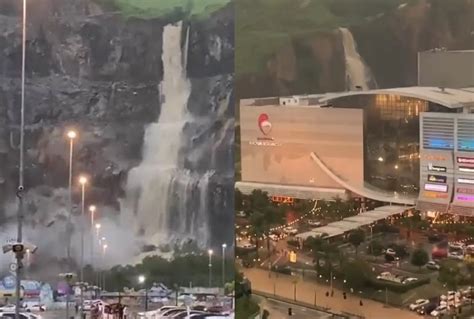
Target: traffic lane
[(279, 310)]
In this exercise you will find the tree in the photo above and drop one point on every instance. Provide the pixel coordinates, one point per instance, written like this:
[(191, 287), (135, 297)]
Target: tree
[(375, 248), (450, 274), (419, 257), (238, 200), (356, 238)]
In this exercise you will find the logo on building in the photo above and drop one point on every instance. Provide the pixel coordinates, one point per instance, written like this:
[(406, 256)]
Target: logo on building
[(264, 124)]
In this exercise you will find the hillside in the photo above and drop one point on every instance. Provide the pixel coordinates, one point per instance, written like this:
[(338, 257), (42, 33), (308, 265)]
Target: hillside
[(293, 47)]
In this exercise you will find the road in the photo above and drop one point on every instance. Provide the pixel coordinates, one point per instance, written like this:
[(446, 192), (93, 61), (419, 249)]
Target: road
[(307, 292), (279, 310)]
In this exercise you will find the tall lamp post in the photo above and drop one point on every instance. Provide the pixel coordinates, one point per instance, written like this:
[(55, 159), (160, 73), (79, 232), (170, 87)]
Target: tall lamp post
[(224, 246), (21, 187), (92, 210), (83, 182), (71, 135), (210, 252), (104, 249), (141, 281), (97, 228)]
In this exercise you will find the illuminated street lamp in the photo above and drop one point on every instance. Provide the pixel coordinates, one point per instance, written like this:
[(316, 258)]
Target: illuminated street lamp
[(141, 281), (71, 136), (83, 182), (104, 250), (92, 210), (21, 187), (210, 252), (224, 246)]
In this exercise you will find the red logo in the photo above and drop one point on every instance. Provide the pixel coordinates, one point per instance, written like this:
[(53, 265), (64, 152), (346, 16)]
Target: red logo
[(264, 124)]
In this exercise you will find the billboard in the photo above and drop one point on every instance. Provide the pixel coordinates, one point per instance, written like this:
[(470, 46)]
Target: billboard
[(277, 141)]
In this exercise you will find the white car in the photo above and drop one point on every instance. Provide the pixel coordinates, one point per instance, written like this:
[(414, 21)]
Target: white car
[(409, 279), (418, 303), (34, 307), (433, 265), (439, 311), (8, 308), (314, 223), (290, 230), (23, 315), (456, 255), (274, 237), (390, 252)]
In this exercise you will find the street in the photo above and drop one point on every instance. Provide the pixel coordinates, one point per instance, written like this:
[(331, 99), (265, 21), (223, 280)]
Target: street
[(279, 310), (308, 292)]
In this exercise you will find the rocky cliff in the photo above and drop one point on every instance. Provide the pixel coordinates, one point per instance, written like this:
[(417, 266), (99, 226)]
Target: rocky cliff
[(303, 55), (98, 72)]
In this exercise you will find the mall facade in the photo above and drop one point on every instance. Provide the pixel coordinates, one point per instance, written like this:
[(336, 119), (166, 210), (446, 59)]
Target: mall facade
[(378, 144)]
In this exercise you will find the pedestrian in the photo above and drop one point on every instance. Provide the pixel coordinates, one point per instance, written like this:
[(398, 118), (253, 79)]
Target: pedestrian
[(361, 303), (76, 307)]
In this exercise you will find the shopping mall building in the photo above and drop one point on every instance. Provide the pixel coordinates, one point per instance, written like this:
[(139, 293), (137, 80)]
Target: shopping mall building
[(409, 146)]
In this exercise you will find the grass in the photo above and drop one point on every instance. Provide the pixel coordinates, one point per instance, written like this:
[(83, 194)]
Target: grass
[(265, 26), (157, 8), (245, 308)]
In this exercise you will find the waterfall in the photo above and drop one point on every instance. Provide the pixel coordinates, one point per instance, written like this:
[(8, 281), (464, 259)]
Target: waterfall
[(186, 49), (358, 74), (166, 202)]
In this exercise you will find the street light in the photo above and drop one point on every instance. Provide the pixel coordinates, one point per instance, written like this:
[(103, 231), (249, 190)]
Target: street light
[(92, 210), (83, 182), (71, 135), (104, 249), (141, 281), (21, 187), (210, 252), (224, 246)]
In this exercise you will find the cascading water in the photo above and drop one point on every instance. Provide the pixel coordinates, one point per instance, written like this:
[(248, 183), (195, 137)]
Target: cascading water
[(166, 202), (358, 74)]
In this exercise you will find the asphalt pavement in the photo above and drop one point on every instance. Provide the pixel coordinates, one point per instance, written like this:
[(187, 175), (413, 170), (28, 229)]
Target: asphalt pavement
[(279, 310)]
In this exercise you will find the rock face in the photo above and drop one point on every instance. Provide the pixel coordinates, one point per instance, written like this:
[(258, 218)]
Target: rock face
[(99, 73), (389, 43)]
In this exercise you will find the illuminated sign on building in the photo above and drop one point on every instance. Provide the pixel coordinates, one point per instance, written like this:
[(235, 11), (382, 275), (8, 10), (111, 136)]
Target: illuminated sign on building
[(466, 169), (429, 157), (435, 195), (466, 160), (264, 124), (465, 181), (436, 188), (465, 197), (264, 143), (437, 179), (434, 168), (465, 191)]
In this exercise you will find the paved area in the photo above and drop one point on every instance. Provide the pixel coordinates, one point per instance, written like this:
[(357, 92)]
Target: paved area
[(279, 310), (308, 292)]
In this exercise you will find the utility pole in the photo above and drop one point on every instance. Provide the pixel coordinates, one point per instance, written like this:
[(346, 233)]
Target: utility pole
[(21, 187)]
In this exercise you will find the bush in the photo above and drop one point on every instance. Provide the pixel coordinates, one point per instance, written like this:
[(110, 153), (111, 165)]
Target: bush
[(375, 248), (293, 242), (396, 287)]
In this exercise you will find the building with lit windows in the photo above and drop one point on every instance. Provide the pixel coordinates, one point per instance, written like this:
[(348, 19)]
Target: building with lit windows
[(362, 143)]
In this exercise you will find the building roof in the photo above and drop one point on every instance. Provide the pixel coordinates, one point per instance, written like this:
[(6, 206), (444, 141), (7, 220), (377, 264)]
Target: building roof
[(351, 223), (450, 98)]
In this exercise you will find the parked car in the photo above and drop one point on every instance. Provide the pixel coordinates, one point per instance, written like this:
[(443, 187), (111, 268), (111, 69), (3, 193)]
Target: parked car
[(433, 265), (274, 237), (440, 310), (314, 223), (290, 230), (427, 309), (418, 303), (390, 252)]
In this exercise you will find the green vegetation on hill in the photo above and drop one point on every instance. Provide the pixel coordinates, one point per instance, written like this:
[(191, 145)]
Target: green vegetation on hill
[(157, 8), (264, 26)]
